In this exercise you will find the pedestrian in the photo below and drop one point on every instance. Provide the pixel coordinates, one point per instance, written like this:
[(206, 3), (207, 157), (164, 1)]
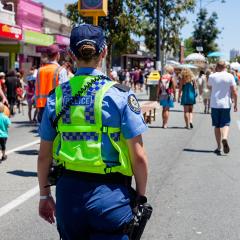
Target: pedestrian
[(20, 92), (223, 87), (30, 90), (3, 82), (128, 78), (4, 125), (141, 80), (49, 76), (69, 69), (136, 77), (12, 83), (100, 150), (201, 78), (167, 93), (206, 93), (187, 94)]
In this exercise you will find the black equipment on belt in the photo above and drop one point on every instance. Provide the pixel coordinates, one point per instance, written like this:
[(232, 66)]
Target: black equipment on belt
[(142, 213)]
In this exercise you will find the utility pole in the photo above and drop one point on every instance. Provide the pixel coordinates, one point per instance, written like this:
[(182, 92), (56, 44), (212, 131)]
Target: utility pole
[(158, 43)]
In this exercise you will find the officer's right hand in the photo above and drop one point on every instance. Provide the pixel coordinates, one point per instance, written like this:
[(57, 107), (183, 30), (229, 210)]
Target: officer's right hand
[(47, 210)]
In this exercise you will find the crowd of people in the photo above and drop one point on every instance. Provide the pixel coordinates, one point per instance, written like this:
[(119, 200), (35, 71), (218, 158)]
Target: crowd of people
[(216, 88), (136, 78)]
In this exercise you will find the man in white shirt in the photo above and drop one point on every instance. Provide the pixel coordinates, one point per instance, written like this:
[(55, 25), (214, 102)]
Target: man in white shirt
[(224, 89)]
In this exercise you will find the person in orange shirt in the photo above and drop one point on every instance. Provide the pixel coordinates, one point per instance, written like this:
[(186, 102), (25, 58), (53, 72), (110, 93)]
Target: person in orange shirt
[(49, 76)]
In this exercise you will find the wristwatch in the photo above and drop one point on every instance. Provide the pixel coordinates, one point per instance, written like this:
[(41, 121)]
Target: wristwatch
[(45, 197)]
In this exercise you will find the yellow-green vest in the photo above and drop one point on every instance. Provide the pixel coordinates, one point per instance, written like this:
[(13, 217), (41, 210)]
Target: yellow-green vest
[(78, 143)]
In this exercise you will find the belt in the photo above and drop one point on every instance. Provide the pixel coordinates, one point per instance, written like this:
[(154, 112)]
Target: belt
[(110, 178)]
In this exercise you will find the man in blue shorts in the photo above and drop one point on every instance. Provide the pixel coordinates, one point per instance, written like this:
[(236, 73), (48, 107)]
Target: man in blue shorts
[(224, 89)]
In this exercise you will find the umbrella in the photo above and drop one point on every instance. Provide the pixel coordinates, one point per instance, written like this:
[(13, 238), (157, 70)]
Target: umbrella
[(188, 66), (195, 57), (172, 62), (235, 65), (215, 54)]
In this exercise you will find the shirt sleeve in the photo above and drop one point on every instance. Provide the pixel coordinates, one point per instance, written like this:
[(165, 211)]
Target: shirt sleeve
[(46, 131), (210, 81), (233, 82), (132, 122), (63, 76)]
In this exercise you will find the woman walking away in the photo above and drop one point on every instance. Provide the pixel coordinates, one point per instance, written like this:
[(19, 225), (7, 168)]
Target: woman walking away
[(206, 93), (166, 93), (187, 94)]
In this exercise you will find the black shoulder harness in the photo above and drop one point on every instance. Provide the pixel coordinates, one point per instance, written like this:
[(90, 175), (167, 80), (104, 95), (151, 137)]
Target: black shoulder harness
[(122, 87)]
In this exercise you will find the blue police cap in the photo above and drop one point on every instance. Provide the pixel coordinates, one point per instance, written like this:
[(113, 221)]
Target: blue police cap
[(87, 34)]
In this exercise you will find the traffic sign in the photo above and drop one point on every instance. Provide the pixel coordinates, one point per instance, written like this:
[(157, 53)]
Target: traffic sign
[(91, 8)]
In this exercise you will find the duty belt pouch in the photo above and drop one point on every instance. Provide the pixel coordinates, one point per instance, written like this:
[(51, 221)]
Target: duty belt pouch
[(56, 171), (142, 212)]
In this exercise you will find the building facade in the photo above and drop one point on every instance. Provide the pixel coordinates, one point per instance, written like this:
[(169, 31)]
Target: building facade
[(31, 27)]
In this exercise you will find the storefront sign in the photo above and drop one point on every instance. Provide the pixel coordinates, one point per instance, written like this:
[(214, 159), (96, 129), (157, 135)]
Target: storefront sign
[(62, 40), (37, 38), (10, 32)]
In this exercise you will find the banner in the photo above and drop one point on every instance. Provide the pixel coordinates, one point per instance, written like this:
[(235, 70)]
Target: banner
[(10, 32)]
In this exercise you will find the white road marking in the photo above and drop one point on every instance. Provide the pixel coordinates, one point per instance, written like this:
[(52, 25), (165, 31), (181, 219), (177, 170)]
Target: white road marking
[(23, 147), (27, 195), (18, 201)]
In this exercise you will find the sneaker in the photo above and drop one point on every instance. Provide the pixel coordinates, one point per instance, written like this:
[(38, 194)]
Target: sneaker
[(218, 152), (226, 148), (4, 158), (191, 125)]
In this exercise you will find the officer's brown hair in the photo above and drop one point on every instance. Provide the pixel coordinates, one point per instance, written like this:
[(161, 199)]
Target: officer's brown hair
[(88, 53)]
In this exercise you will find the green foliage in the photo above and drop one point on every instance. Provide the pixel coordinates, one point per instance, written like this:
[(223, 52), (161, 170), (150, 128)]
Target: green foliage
[(206, 32), (172, 22), (188, 45), (124, 19)]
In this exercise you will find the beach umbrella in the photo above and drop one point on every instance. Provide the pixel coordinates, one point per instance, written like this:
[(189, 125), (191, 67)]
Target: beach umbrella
[(215, 54), (194, 57), (191, 66), (235, 65)]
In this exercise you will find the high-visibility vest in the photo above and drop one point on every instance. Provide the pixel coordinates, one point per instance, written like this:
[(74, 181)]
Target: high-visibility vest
[(78, 143), (47, 80)]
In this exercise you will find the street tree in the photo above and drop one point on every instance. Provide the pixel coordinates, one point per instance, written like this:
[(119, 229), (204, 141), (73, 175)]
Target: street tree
[(123, 20), (206, 32), (172, 21)]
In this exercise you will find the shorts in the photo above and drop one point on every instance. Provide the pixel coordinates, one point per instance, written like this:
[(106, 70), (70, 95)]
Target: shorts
[(221, 117), (3, 142)]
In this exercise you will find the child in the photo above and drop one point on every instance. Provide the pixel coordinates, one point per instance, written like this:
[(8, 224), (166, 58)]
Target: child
[(4, 124)]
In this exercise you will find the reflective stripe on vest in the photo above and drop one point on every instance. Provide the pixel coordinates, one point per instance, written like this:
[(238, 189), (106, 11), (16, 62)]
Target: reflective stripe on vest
[(79, 140), (47, 79)]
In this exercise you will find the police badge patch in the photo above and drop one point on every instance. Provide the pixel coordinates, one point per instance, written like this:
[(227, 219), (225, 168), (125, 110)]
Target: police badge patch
[(133, 104)]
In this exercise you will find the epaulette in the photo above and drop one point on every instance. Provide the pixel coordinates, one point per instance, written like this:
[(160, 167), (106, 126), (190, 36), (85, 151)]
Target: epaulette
[(122, 87), (51, 92)]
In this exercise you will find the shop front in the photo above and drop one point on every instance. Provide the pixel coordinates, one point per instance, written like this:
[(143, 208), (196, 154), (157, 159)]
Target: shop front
[(10, 37), (32, 40)]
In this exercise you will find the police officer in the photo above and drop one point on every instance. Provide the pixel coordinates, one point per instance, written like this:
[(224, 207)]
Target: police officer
[(98, 142), (49, 76)]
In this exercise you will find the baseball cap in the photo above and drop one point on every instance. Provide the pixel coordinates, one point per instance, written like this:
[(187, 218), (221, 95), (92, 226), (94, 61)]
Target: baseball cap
[(87, 34), (52, 50)]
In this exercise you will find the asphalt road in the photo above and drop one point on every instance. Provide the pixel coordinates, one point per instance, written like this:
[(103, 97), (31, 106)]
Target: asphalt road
[(195, 194)]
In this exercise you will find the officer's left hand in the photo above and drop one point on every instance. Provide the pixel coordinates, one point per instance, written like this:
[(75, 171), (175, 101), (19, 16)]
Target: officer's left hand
[(47, 210)]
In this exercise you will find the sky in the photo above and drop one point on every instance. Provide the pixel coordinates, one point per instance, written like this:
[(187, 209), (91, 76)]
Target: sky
[(228, 21)]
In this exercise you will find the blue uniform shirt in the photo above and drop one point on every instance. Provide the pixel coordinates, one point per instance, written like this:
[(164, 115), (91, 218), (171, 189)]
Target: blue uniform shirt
[(118, 110)]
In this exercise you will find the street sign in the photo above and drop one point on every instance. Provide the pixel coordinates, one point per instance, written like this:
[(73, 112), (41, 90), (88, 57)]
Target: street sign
[(199, 49), (91, 8)]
